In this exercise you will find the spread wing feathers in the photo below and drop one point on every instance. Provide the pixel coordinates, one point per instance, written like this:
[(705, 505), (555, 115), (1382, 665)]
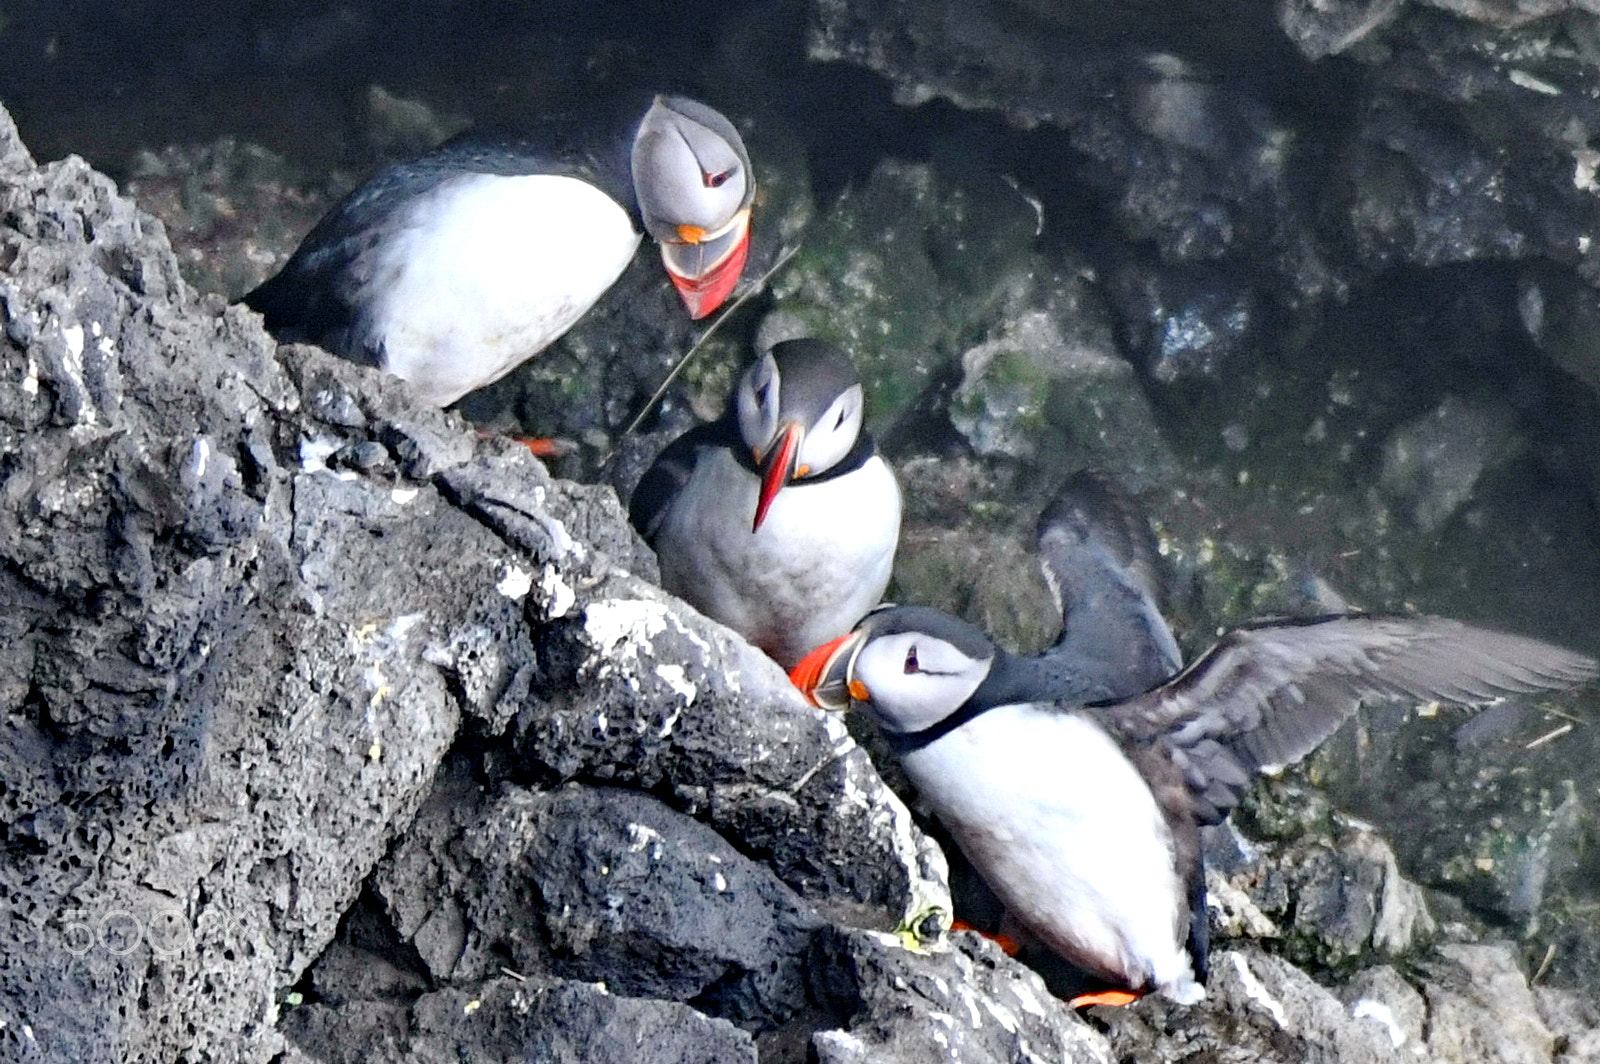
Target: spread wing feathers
[(1266, 696)]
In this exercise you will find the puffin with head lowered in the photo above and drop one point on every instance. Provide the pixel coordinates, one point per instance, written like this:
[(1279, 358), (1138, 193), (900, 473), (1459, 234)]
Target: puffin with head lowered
[(451, 269), (1079, 801), (780, 519)]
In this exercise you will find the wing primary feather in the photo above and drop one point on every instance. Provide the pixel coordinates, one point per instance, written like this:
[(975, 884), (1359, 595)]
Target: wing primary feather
[(1269, 694)]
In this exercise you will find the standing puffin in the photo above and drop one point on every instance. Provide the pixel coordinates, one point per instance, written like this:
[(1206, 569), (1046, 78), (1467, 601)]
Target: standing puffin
[(451, 269), (780, 519), (1083, 816)]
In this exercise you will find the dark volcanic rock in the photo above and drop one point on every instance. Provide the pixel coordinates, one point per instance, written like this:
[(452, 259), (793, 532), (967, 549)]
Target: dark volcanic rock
[(966, 1002), (248, 604), (654, 904), (581, 1023), (333, 733), (509, 1021), (607, 886), (197, 691)]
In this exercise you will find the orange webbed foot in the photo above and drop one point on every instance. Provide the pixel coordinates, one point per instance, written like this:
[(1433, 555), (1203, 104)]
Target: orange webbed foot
[(1115, 998), (545, 446), (539, 446), (1008, 945)]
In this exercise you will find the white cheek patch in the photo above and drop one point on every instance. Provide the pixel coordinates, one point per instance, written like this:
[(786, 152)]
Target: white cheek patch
[(758, 409), (907, 702), (834, 434), (937, 656)]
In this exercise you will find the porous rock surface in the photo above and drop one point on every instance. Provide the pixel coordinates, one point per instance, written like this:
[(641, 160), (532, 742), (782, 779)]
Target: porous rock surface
[(335, 733), (253, 599)]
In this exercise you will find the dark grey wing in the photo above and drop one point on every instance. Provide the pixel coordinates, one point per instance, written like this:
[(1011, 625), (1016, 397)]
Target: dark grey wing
[(592, 148), (319, 294), (308, 300), (1099, 557), (661, 483), (1266, 696), (316, 297)]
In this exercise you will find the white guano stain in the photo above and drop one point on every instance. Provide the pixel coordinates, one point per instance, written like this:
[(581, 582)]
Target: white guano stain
[(1003, 1016), (677, 679), (558, 594), (314, 454), (839, 735), (623, 631), (73, 363), (969, 998), (847, 1043), (1025, 996), (515, 582), (1532, 83), (1368, 1009), (641, 836), (1256, 991), (1585, 162), (401, 626)]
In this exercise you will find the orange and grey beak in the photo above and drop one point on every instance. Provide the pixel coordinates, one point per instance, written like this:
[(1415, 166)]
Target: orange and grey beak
[(705, 267), (823, 675), (778, 468)]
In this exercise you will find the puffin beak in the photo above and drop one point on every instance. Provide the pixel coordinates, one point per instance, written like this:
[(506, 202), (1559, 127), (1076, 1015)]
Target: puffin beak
[(823, 675), (704, 267), (777, 468)]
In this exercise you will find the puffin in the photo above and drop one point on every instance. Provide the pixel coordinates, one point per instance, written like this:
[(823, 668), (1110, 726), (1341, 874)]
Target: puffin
[(1080, 802), (451, 269), (780, 519)]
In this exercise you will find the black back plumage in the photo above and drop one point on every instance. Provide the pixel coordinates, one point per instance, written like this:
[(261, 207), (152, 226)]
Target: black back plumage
[(317, 296), (673, 467)]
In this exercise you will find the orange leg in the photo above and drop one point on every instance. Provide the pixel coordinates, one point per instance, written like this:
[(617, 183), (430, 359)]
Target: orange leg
[(541, 446), (544, 446), (1116, 998), (1008, 945), (1011, 947)]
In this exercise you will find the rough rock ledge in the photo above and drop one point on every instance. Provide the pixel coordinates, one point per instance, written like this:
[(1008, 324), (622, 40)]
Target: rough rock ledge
[(335, 733)]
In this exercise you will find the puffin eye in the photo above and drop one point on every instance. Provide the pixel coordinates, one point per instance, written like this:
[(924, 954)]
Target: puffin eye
[(716, 180), (840, 422), (911, 661)]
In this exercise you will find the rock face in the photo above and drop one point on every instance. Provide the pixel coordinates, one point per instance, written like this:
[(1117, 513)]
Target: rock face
[(334, 732), (253, 603)]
